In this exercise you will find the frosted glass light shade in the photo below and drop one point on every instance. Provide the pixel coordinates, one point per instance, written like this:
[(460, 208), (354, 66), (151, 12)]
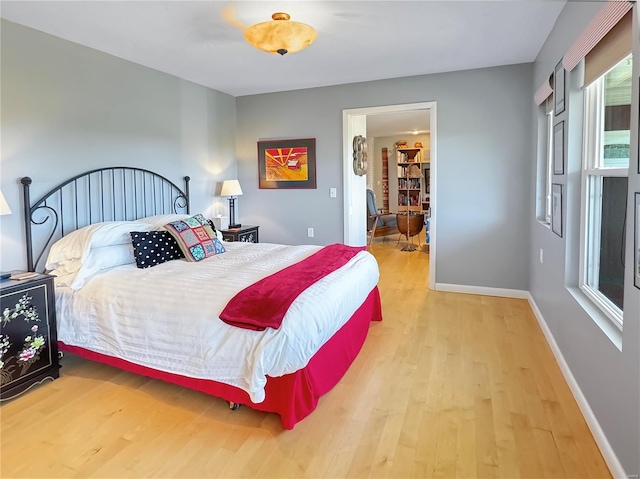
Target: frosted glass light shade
[(231, 188), (280, 35), (4, 206)]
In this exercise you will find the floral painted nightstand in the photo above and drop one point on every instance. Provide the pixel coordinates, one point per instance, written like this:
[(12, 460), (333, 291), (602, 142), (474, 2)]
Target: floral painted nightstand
[(28, 339), (245, 234)]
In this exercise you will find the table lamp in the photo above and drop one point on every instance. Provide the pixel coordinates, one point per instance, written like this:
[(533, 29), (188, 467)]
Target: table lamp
[(4, 210), (231, 188)]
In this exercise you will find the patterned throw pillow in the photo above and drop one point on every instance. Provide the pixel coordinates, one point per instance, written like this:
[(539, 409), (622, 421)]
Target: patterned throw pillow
[(151, 248), (195, 238)]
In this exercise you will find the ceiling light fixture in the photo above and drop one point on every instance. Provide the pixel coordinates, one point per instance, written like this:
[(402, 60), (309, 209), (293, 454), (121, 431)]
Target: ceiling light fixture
[(280, 35)]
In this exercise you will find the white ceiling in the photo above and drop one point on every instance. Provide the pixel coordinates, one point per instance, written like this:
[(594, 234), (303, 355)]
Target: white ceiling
[(357, 40), (400, 123)]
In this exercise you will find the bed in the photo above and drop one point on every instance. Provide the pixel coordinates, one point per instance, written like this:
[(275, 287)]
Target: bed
[(163, 322)]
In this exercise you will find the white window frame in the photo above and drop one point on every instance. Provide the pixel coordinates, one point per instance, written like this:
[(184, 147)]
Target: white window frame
[(591, 202), (545, 166), (549, 169)]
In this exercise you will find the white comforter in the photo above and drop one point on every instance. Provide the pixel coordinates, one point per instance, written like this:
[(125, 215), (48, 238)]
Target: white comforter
[(166, 317)]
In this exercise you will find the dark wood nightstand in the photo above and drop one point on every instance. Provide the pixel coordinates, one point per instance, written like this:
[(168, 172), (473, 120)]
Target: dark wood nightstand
[(28, 335), (246, 234)]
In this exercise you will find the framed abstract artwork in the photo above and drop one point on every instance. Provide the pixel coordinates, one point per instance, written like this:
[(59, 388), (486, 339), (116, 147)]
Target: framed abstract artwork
[(556, 209), (558, 89), (287, 164)]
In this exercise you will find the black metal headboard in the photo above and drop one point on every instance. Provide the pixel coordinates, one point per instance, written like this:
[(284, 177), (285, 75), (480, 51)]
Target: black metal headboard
[(107, 194)]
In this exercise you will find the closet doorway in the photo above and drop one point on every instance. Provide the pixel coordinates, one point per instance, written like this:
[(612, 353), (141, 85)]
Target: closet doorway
[(385, 128)]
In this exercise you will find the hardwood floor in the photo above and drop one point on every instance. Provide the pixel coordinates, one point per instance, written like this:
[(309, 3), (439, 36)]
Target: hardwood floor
[(448, 385)]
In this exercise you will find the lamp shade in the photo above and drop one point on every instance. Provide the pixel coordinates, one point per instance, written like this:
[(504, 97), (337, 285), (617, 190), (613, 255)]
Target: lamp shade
[(231, 188), (4, 206), (280, 35)]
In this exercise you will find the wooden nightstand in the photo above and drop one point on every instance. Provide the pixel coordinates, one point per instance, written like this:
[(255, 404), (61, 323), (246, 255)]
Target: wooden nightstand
[(28, 335), (246, 234)]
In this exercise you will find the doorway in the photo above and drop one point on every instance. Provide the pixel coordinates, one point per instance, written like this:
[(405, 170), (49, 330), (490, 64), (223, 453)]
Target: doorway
[(355, 208)]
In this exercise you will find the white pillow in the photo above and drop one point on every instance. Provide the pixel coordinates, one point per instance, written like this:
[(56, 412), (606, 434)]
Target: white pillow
[(158, 221), (99, 259), (68, 253)]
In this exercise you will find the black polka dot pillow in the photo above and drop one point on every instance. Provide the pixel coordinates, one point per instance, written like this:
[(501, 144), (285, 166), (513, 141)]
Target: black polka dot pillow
[(151, 248)]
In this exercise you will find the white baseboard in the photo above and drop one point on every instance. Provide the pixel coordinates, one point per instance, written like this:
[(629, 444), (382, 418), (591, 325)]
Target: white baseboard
[(482, 290), (609, 455)]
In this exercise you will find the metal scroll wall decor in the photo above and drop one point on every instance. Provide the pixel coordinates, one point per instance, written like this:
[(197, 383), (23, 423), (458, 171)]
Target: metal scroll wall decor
[(360, 155)]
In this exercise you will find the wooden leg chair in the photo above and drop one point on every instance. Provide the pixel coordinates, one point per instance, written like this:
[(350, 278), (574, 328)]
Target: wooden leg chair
[(378, 222)]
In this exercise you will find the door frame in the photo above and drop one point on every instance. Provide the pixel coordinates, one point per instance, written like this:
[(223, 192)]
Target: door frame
[(353, 189)]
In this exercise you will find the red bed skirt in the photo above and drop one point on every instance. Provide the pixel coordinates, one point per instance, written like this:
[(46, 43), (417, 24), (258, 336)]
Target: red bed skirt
[(293, 396)]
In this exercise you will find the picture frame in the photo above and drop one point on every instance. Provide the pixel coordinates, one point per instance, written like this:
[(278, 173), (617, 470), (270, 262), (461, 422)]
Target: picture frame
[(558, 149), (556, 208), (558, 88), (287, 164), (636, 242)]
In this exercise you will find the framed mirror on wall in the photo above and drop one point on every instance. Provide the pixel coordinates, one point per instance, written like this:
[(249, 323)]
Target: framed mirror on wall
[(558, 149), (556, 209), (636, 242)]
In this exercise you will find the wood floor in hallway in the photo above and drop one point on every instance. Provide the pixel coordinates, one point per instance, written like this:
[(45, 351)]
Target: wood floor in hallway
[(447, 385)]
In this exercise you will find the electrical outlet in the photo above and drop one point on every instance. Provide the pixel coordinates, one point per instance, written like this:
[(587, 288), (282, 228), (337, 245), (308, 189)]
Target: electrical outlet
[(541, 255), (333, 193), (310, 232)]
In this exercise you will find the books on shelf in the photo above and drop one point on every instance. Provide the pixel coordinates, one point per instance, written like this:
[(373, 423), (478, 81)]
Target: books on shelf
[(410, 199), (409, 184), (412, 181)]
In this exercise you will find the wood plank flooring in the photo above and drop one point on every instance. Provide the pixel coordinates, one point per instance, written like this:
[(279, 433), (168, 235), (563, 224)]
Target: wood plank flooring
[(448, 385)]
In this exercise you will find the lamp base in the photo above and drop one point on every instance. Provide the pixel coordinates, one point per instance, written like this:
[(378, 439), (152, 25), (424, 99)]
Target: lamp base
[(235, 226), (4, 275)]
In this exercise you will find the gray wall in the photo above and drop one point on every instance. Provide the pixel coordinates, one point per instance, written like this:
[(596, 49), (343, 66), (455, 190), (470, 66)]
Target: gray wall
[(484, 143), (67, 109), (608, 377)]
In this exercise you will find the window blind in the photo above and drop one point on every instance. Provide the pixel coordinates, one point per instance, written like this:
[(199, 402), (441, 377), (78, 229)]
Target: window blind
[(612, 49), (544, 91), (606, 19), (549, 105)]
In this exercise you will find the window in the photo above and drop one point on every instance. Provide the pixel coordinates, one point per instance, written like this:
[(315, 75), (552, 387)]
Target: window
[(549, 165), (545, 162), (604, 189)]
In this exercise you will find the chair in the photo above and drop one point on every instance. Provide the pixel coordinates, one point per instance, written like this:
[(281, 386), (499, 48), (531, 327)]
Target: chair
[(410, 225), (378, 223)]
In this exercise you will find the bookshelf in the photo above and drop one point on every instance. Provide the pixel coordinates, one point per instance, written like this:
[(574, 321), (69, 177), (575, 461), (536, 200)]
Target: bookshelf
[(410, 179)]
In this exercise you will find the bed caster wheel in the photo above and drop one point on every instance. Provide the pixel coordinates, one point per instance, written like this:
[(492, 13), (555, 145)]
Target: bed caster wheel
[(234, 406), (60, 354)]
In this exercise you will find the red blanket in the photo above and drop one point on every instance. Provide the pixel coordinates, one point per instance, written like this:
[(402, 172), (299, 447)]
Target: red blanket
[(263, 304)]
